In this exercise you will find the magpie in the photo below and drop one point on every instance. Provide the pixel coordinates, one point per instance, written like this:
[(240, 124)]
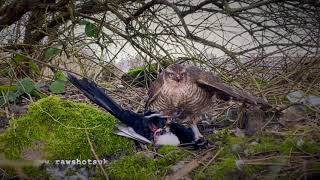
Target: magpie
[(149, 127)]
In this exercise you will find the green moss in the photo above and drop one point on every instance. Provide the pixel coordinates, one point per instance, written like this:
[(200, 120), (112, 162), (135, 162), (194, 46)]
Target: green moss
[(143, 75), (171, 156), (288, 145), (35, 173), (222, 169), (266, 144), (133, 167), (57, 128), (138, 70), (231, 143), (310, 147), (303, 144), (165, 150), (284, 145), (250, 170), (225, 163), (234, 146), (140, 166)]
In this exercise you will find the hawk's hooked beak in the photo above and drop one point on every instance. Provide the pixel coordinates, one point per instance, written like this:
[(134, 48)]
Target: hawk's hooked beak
[(178, 78), (178, 113)]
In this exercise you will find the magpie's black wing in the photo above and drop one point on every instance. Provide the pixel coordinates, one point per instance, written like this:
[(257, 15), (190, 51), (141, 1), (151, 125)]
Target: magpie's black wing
[(98, 96)]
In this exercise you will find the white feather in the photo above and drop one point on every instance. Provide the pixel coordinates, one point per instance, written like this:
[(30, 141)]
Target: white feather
[(156, 114), (130, 133), (167, 139)]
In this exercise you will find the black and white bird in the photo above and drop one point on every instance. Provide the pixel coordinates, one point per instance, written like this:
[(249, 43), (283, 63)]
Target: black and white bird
[(149, 127)]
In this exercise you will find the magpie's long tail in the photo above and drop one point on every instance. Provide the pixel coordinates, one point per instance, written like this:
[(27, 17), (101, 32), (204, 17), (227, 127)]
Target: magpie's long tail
[(98, 96)]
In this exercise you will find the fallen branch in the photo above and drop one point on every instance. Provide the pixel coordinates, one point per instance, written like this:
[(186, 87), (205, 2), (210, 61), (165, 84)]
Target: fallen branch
[(189, 167)]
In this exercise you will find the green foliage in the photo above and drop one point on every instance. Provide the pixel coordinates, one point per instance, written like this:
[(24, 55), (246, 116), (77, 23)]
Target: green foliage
[(59, 126), (51, 52), (58, 85), (91, 30), (23, 86), (60, 76), (22, 59), (19, 58)]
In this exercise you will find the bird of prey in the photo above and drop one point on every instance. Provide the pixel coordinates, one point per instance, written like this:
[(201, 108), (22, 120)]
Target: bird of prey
[(187, 92), (149, 127)]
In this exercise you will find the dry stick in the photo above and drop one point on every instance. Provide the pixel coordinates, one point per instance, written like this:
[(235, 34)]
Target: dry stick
[(213, 158), (96, 156), (189, 167)]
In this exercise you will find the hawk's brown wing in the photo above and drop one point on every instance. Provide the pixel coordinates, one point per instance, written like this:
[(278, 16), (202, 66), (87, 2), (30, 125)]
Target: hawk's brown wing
[(215, 85), (154, 90)]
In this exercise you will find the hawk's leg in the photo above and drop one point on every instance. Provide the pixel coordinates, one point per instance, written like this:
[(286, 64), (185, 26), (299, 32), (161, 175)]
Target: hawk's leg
[(194, 127)]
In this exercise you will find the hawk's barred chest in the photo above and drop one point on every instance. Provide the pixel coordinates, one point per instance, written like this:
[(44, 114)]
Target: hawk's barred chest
[(185, 96)]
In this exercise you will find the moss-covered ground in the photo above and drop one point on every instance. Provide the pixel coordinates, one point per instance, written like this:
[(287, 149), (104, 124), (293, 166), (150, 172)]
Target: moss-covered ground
[(56, 129), (143, 75), (265, 155)]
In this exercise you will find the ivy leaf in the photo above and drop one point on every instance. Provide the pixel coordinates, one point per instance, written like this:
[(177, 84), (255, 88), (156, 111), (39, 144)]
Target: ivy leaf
[(91, 30), (51, 52), (83, 22), (60, 76), (57, 86), (12, 96), (25, 85)]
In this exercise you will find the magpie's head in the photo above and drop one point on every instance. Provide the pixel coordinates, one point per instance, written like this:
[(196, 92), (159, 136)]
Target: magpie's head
[(155, 120), (161, 133)]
